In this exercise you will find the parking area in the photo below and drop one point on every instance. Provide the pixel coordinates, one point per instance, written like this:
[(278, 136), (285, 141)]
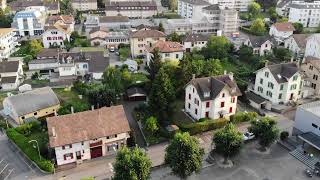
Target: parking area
[(250, 165), (12, 165)]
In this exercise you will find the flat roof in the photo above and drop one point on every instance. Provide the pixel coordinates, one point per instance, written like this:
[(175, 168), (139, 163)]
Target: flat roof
[(313, 107), (311, 138)]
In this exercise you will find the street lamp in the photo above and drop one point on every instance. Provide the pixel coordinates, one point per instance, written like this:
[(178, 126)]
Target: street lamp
[(35, 146)]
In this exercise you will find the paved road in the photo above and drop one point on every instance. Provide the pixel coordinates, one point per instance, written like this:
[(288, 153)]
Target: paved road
[(113, 59)]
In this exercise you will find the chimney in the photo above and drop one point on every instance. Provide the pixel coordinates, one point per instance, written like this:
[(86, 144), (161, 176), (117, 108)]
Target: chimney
[(72, 110), (225, 72), (54, 132), (231, 75), (193, 76), (92, 107)]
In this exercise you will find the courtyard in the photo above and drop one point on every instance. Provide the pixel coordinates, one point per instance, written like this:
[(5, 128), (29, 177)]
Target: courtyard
[(249, 165)]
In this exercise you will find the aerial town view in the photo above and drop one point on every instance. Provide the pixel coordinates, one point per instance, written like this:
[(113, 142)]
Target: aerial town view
[(159, 89)]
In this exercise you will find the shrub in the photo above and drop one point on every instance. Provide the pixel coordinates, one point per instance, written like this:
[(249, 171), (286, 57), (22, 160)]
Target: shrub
[(22, 142), (284, 135), (198, 127), (203, 119), (243, 117)]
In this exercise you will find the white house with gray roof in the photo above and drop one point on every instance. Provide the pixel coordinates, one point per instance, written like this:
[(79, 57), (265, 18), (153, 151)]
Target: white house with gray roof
[(212, 97), (278, 83), (261, 45), (11, 75), (313, 46), (195, 41), (297, 44), (32, 104)]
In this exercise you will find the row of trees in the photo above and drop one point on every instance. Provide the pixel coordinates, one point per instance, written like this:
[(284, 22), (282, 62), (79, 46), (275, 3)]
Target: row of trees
[(184, 155)]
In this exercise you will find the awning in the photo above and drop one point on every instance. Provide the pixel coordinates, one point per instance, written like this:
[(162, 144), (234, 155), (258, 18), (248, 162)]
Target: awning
[(311, 138)]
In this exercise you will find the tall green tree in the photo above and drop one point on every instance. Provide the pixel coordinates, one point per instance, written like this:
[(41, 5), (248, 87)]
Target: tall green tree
[(184, 155), (212, 67), (245, 53), (113, 80), (151, 125), (218, 47), (101, 96), (154, 65), (282, 54), (298, 27), (228, 141), (162, 96), (173, 5), (131, 165), (266, 4), (35, 47), (265, 130), (273, 13), (258, 27), (254, 8), (174, 37)]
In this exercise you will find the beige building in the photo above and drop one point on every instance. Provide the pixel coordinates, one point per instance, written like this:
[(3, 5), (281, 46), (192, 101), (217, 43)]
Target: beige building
[(168, 50), (143, 38), (311, 69), (37, 103), (84, 5)]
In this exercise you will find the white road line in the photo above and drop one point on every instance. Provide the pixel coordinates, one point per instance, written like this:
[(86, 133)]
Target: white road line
[(4, 168), (10, 171)]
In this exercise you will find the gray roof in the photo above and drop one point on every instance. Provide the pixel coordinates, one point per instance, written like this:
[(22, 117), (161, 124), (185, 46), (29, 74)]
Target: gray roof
[(113, 19), (97, 63), (43, 61), (22, 4), (48, 52), (215, 85), (283, 72), (197, 2), (255, 98), (257, 41), (212, 7), (303, 6), (10, 79), (301, 40), (9, 66), (196, 37), (34, 100)]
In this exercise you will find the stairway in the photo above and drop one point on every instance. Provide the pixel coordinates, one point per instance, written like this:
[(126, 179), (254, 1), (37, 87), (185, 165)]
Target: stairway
[(304, 158)]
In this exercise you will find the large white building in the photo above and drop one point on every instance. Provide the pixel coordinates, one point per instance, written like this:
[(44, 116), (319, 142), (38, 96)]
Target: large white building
[(191, 8), (54, 36), (131, 9), (8, 42), (241, 5), (307, 118), (278, 83), (29, 22), (313, 46), (305, 12), (211, 97), (86, 135), (84, 5)]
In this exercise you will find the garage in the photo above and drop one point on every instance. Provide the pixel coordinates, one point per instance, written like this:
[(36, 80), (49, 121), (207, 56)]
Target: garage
[(96, 152)]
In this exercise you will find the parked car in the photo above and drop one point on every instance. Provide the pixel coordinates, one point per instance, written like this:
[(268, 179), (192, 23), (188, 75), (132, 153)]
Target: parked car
[(111, 49), (308, 172), (248, 136)]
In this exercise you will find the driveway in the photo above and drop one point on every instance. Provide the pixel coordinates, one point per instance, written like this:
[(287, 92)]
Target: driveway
[(113, 59), (128, 108)]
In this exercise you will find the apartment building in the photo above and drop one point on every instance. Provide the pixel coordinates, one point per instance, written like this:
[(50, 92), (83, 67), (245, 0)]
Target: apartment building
[(239, 5), (131, 9), (212, 97), (87, 135), (311, 69), (29, 22), (297, 44), (144, 38), (187, 26), (304, 12), (191, 8), (8, 42), (52, 7), (84, 5), (313, 46)]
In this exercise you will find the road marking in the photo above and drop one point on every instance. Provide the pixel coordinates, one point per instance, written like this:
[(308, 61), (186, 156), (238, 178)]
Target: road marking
[(4, 168), (10, 171)]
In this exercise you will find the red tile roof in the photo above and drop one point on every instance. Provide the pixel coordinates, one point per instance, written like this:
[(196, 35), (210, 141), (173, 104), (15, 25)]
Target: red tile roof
[(167, 47), (285, 26), (143, 33)]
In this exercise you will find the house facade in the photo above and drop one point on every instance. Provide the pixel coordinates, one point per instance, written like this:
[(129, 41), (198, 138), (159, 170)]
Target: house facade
[(278, 83), (261, 45), (143, 38), (168, 51), (313, 46), (211, 97), (84, 5), (311, 68), (54, 36), (281, 31), (297, 44), (190, 8), (8, 42), (107, 131), (44, 103), (304, 12), (11, 75), (131, 9), (195, 41)]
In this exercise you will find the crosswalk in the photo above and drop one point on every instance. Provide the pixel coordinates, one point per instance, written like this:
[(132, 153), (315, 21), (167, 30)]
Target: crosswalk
[(304, 158)]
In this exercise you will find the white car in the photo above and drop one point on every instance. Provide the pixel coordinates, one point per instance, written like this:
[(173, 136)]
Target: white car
[(248, 136)]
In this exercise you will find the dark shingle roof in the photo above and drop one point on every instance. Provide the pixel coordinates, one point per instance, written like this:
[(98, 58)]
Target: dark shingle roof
[(283, 72), (9, 66), (196, 37), (47, 52), (257, 41), (301, 40), (22, 4), (147, 33), (255, 98), (212, 7), (214, 85)]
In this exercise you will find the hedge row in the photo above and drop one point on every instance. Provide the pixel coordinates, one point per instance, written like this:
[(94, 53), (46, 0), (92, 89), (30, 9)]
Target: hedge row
[(22, 142), (243, 117), (207, 125)]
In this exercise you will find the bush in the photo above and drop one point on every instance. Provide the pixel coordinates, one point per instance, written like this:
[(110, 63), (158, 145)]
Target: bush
[(284, 135), (243, 117), (203, 119), (22, 142), (198, 127)]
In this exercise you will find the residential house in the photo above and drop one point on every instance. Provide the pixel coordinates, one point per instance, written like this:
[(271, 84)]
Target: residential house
[(52, 7), (304, 12), (84, 5), (87, 135), (114, 39), (139, 40), (29, 22), (277, 84), (37, 103), (191, 8), (114, 23), (11, 75), (8, 42), (297, 44), (281, 31), (97, 37), (48, 53), (168, 51), (44, 67), (195, 41), (313, 46), (311, 68), (63, 20), (261, 45), (56, 35), (212, 97), (131, 9)]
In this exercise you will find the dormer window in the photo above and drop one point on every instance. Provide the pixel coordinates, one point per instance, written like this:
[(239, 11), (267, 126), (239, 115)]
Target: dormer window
[(206, 94)]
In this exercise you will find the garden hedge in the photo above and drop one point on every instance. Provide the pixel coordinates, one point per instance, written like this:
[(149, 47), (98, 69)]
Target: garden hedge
[(22, 142), (198, 127)]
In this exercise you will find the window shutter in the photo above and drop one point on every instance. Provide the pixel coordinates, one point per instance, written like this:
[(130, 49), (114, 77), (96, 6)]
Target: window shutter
[(71, 155), (64, 157)]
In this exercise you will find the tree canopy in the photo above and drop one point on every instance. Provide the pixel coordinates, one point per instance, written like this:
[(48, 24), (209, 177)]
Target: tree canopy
[(258, 27), (217, 47), (131, 165), (298, 27), (184, 155), (254, 8)]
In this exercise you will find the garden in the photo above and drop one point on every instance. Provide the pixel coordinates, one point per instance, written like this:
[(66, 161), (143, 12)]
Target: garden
[(27, 136)]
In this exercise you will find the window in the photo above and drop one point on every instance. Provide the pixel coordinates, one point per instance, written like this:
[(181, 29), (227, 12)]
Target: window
[(311, 67), (35, 113), (315, 126), (266, 74), (167, 54), (193, 90), (223, 94), (280, 96), (261, 81), (189, 96), (108, 137), (177, 56), (270, 85), (82, 143), (207, 104), (230, 110), (260, 89), (63, 147), (207, 114), (196, 111), (68, 156), (295, 77), (281, 87), (269, 93), (233, 99), (315, 77), (22, 117), (115, 135), (222, 104), (189, 105), (293, 87)]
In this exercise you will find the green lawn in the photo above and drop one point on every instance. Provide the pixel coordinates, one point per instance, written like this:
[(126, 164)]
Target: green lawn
[(139, 77), (68, 96)]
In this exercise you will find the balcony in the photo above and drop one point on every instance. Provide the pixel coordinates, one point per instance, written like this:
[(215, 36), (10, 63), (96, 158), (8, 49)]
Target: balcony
[(99, 143)]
